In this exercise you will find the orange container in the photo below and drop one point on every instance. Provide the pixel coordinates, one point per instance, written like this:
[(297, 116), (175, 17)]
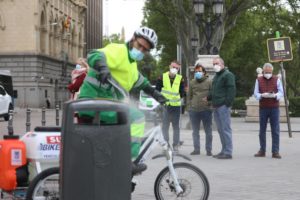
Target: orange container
[(12, 156)]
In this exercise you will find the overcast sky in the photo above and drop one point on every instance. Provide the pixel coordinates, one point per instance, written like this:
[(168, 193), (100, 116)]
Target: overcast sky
[(122, 13)]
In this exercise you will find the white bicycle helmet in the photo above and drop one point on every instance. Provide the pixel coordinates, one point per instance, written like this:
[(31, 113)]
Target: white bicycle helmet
[(148, 34)]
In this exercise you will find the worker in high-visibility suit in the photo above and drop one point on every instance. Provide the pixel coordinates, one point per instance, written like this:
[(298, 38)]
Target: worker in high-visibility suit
[(171, 85), (119, 61)]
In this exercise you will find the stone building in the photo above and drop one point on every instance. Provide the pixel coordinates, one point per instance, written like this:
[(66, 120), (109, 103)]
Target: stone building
[(40, 41), (94, 30)]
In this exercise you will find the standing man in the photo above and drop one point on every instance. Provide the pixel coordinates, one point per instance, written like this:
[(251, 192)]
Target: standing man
[(199, 109), (222, 96), (268, 90), (171, 85)]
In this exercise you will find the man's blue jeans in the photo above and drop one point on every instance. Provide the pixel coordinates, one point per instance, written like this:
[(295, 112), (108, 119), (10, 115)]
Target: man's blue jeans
[(206, 118), (273, 115), (171, 115), (223, 122)]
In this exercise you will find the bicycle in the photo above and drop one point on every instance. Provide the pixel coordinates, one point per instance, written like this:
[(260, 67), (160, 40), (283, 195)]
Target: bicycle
[(177, 180)]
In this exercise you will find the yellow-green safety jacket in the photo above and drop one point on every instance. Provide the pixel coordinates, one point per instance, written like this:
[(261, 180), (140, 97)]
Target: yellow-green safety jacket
[(171, 92)]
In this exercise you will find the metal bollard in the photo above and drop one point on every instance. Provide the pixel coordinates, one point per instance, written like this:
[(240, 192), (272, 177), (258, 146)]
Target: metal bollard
[(10, 122), (28, 111), (43, 116), (57, 115)]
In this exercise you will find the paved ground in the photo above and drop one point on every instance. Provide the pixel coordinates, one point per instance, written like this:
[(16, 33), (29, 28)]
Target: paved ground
[(242, 178)]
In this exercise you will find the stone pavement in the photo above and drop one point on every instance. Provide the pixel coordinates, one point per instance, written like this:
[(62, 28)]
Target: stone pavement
[(242, 178)]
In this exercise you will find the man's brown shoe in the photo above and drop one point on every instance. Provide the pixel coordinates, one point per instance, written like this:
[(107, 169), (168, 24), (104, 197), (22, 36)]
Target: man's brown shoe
[(276, 155), (260, 154)]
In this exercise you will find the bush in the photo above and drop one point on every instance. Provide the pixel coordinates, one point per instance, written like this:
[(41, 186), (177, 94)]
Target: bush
[(294, 106), (239, 103)]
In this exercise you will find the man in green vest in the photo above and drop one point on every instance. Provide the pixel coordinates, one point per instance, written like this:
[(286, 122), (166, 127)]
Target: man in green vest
[(119, 61), (171, 85)]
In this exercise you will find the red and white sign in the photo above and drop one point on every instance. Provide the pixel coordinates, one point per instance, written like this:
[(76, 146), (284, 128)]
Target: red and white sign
[(53, 139)]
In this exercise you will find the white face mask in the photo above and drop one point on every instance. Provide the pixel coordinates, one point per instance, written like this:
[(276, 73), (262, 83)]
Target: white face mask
[(173, 71), (217, 68), (267, 76)]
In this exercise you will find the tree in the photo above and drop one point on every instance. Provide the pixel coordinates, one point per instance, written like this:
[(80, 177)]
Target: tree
[(182, 21), (114, 38), (244, 47)]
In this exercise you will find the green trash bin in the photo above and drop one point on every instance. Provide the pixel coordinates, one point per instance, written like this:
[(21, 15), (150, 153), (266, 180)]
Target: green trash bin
[(95, 162)]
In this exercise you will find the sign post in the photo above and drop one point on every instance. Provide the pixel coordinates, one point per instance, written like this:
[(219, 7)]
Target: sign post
[(280, 50)]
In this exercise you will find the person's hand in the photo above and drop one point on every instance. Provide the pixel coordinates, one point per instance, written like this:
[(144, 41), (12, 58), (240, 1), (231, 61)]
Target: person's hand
[(265, 95), (159, 97), (204, 98), (268, 95), (272, 95)]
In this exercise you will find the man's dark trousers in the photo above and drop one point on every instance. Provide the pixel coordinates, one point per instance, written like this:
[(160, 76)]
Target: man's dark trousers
[(171, 115), (273, 115)]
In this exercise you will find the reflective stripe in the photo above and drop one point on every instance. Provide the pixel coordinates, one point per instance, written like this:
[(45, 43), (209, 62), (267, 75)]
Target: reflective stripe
[(136, 139), (93, 70), (140, 81), (170, 93), (92, 81), (175, 100), (97, 83)]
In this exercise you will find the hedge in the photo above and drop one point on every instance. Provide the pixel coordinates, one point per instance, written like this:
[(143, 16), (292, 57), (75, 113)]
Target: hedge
[(294, 105)]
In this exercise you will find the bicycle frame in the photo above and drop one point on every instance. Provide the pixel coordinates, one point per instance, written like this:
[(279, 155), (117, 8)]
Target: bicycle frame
[(156, 137)]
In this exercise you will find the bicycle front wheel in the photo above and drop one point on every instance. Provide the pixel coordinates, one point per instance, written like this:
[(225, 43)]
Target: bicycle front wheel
[(191, 179), (44, 186)]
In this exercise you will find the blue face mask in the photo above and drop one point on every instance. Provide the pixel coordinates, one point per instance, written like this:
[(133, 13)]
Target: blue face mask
[(136, 54), (78, 66), (198, 75)]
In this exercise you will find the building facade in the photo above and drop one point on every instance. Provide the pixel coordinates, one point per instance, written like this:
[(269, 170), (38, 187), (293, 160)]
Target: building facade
[(40, 42), (94, 21)]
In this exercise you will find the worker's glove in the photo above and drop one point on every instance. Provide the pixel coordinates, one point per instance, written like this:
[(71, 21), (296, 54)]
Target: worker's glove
[(155, 94), (159, 97), (103, 72)]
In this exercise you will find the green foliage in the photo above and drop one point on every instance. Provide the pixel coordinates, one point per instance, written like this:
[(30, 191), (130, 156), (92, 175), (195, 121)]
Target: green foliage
[(244, 47), (148, 67), (244, 50), (294, 106), (114, 38), (166, 35), (239, 103)]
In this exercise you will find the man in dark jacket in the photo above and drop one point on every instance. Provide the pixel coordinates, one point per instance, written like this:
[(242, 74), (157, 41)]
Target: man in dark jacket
[(222, 96)]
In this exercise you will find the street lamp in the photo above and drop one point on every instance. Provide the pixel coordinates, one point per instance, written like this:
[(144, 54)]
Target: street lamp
[(194, 43), (204, 10)]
